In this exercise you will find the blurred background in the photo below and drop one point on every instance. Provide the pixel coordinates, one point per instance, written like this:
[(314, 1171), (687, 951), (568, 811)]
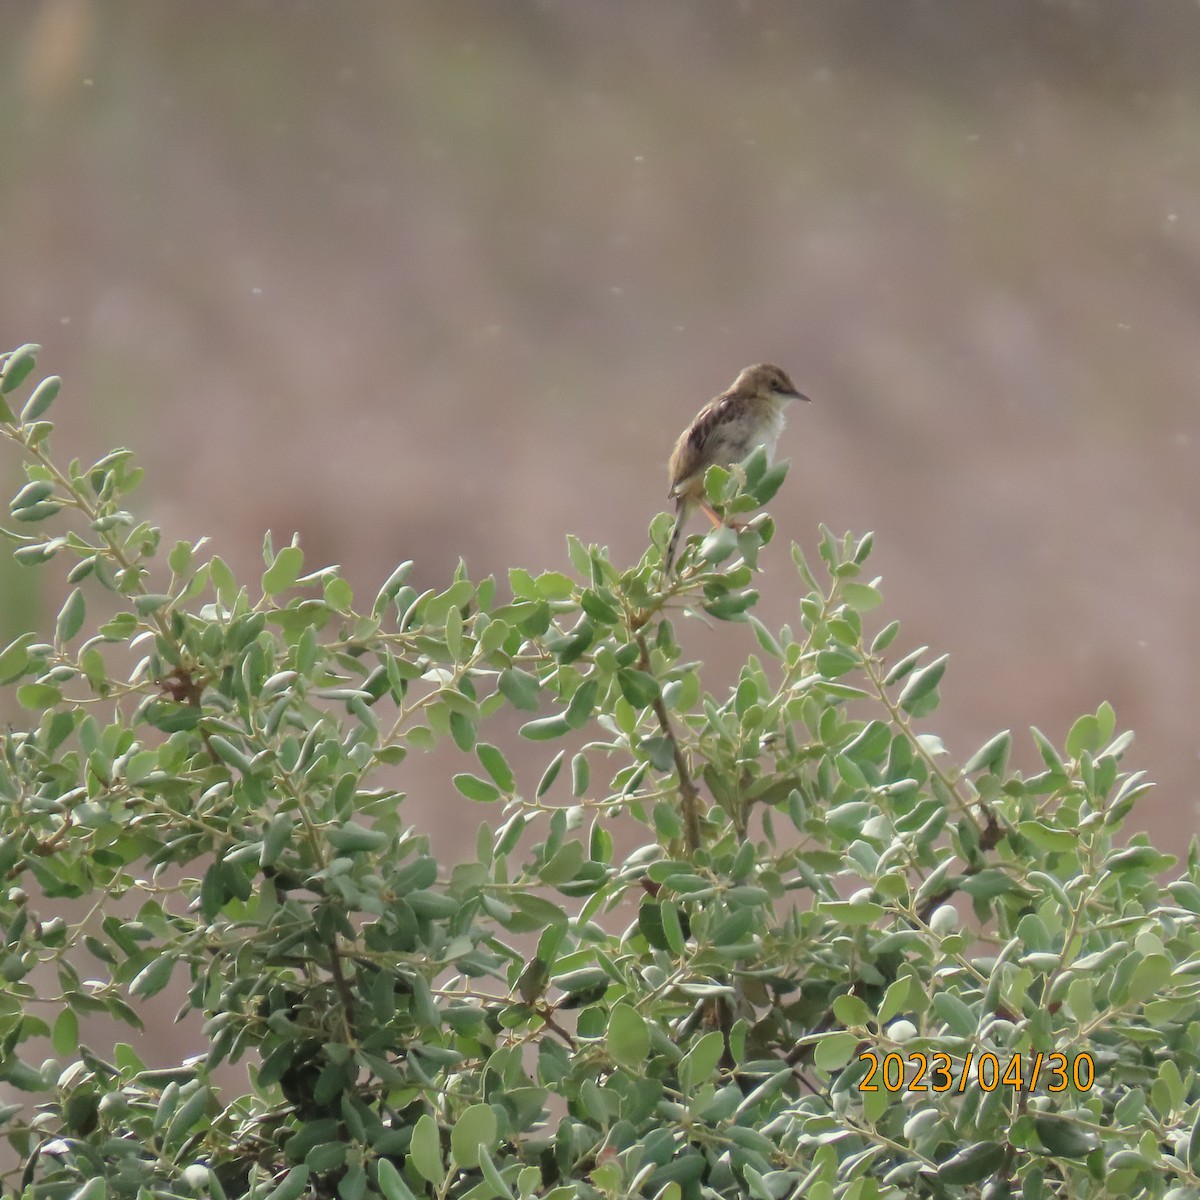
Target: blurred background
[(431, 280)]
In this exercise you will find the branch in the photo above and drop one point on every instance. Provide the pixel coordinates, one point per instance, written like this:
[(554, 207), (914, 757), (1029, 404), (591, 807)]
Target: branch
[(689, 794)]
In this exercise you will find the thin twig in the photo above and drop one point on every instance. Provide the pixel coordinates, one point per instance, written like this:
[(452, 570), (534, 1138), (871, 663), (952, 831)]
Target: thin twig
[(689, 794)]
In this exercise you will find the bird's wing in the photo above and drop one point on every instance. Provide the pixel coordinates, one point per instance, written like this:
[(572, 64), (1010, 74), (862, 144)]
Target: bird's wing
[(692, 453)]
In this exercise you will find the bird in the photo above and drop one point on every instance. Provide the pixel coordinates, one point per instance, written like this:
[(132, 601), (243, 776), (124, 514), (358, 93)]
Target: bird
[(749, 413)]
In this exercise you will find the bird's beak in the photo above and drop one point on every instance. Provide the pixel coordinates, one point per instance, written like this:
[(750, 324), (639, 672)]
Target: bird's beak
[(800, 396)]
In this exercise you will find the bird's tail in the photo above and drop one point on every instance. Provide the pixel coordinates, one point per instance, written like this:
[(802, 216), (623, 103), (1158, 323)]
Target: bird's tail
[(676, 537)]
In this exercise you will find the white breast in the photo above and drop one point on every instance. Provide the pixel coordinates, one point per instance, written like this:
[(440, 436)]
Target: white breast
[(773, 430)]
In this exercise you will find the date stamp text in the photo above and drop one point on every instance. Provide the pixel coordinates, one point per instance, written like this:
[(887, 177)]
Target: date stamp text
[(942, 1073)]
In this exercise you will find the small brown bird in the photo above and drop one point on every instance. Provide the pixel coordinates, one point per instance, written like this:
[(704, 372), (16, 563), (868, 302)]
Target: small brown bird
[(726, 429)]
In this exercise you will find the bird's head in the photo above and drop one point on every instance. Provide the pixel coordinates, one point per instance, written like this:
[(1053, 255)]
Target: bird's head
[(763, 379)]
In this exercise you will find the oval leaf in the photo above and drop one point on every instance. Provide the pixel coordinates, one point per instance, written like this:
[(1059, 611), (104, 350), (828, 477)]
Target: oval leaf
[(628, 1038)]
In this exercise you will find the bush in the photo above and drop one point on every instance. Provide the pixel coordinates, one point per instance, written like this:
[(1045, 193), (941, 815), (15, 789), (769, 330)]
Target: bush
[(833, 966)]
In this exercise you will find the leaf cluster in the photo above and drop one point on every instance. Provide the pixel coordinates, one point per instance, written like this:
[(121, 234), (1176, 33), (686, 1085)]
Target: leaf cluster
[(206, 801)]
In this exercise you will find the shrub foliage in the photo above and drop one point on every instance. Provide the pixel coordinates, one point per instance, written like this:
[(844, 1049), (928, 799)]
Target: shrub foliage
[(835, 962)]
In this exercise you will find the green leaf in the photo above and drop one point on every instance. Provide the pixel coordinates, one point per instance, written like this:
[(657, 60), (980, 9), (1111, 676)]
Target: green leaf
[(569, 647), (521, 584), (668, 821), (755, 465), (638, 687), (120, 629), (229, 753), (1060, 1136), (862, 597), (765, 638), (600, 606), (14, 658), (985, 885), (972, 1163), (33, 492), (284, 571), (895, 999), (150, 602), (1046, 749), (719, 544), (293, 1185), (885, 637), (339, 595), (1080, 999), (43, 396), (38, 696), (180, 558), (1138, 858), (476, 789), (97, 1189), (904, 666), (582, 704), (919, 697), (65, 1037), (496, 765), (352, 838), (731, 606), (545, 729), (672, 927), (851, 1010), (531, 983), (992, 756), (35, 554), (660, 751), (549, 775), (770, 483), (1193, 1150), (1044, 837), (425, 1150), (701, 1060), (542, 913), (153, 977), (37, 432), (17, 366), (1086, 735), (70, 617), (1148, 977), (392, 585), (580, 775), (37, 512), (462, 730), (276, 838), (454, 633), (715, 479), (957, 1015), (492, 1176), (554, 585), (171, 717), (475, 1126), (835, 1050), (391, 1182), (563, 865), (628, 1038), (519, 688)]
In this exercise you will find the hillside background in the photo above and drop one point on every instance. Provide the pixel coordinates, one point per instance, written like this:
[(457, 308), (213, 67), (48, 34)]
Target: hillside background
[(431, 280)]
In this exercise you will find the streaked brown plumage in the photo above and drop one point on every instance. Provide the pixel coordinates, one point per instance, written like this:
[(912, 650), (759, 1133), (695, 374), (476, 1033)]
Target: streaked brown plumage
[(726, 430)]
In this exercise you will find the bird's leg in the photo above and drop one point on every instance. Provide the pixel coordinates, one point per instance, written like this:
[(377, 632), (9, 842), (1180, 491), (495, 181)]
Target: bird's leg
[(717, 520)]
